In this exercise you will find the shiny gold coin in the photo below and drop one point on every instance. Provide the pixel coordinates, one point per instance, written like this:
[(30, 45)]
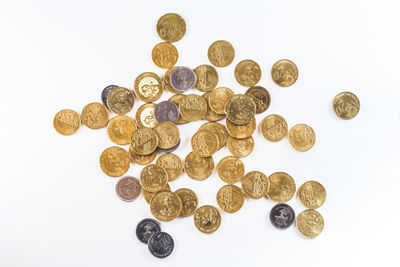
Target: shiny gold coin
[(145, 116), (148, 87), (192, 107), (171, 27), (153, 178), (260, 97), (141, 159), (204, 143), (218, 98), (167, 82), (255, 184), (144, 141), (120, 129), (346, 105), (230, 198), (172, 164), (274, 128), (198, 168), (94, 116), (149, 195), (301, 137), (218, 129), (66, 122), (176, 99), (211, 115), (310, 223), (240, 147), (206, 78), (247, 73), (114, 161), (120, 100), (240, 109), (167, 133), (312, 194), (207, 219), (241, 131), (221, 53), (230, 169), (164, 55), (165, 206), (281, 187), (189, 201), (284, 73)]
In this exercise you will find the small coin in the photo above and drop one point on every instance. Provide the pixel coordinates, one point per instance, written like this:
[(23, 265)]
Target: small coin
[(274, 128), (198, 168), (301, 137), (169, 150), (189, 201), (218, 129), (230, 198), (161, 244), (149, 195), (120, 129), (182, 79), (144, 141), (204, 143), (261, 98), (207, 219), (146, 228), (240, 109), (148, 87), (166, 79), (221, 53), (94, 116), (165, 206), (241, 131), (105, 92), (312, 194), (141, 159), (177, 99), (192, 107), (230, 169), (166, 111), (284, 73), (247, 73), (218, 98), (171, 27), (66, 122), (310, 223), (153, 178), (281, 187), (145, 116), (114, 161), (167, 134), (346, 105), (255, 184), (240, 147), (164, 55), (172, 164), (211, 115), (206, 78), (282, 216), (128, 188), (120, 100)]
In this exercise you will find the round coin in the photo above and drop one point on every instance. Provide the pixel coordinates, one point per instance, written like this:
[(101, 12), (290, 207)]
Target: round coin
[(167, 134), (114, 161), (204, 143), (153, 178), (145, 115), (141, 159), (247, 73), (260, 97), (165, 206), (66, 122), (94, 116), (274, 128), (206, 78), (218, 129), (284, 73), (146, 228), (240, 147), (148, 87), (346, 105), (240, 109), (301, 137), (282, 216), (310, 223), (192, 107), (255, 184), (218, 98), (281, 187), (164, 55), (230, 198), (161, 244), (105, 92), (312, 194), (211, 115), (189, 201), (172, 164), (182, 79), (168, 150), (241, 131), (149, 195), (128, 188), (166, 79), (221, 53), (207, 219), (171, 27), (177, 99), (144, 141), (120, 129), (198, 168), (120, 100), (230, 169), (166, 111)]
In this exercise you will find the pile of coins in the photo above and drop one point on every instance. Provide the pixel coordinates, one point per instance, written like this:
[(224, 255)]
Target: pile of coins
[(154, 130)]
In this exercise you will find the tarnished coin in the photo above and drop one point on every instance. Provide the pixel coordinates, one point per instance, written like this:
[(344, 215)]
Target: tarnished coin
[(120, 129), (240, 147), (168, 150), (284, 73), (310, 223), (141, 159), (120, 100), (346, 105), (66, 122), (206, 78), (312, 194), (230, 169), (274, 128), (260, 96), (146, 228), (255, 184), (145, 116), (221, 53), (153, 178), (161, 244), (247, 73), (281, 187), (198, 168), (144, 141), (166, 111), (189, 201), (105, 92), (207, 219), (211, 115), (240, 109), (192, 107), (149, 195), (164, 55), (182, 79), (128, 188), (241, 131), (177, 99), (218, 98), (171, 27), (166, 79), (148, 87), (94, 116), (204, 143), (114, 161), (230, 198), (172, 164), (167, 133), (165, 206), (301, 137), (282, 216), (218, 129)]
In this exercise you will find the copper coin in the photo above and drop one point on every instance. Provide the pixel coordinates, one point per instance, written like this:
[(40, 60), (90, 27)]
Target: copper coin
[(128, 188), (166, 111)]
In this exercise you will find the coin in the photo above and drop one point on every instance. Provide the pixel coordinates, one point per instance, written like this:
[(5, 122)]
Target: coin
[(207, 219), (247, 73), (281, 187), (221, 53), (164, 55), (120, 129), (182, 79), (166, 79), (192, 107), (204, 143), (148, 87), (114, 161), (230, 198), (172, 164), (346, 105), (177, 99), (153, 178), (144, 141), (211, 115), (310, 223), (260, 97), (149, 195), (167, 134), (165, 206), (230, 169), (141, 159), (145, 115), (171, 27), (240, 109), (240, 147), (274, 128), (312, 194), (94, 116), (161, 244), (66, 122), (241, 131), (301, 137), (105, 92), (189, 201), (218, 98), (128, 188), (284, 73), (198, 168), (120, 100), (169, 150), (218, 129), (255, 184), (206, 78), (282, 216), (146, 228), (166, 111)]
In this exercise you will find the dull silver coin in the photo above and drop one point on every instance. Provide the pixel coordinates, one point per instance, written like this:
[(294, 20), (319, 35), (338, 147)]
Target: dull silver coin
[(166, 111), (146, 228), (161, 244), (128, 188), (182, 79), (105, 93), (282, 216)]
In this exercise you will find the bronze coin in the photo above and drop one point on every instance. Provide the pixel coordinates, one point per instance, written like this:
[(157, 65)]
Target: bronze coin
[(128, 188)]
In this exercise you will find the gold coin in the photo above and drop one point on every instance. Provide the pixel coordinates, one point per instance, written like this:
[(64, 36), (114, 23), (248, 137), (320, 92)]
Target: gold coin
[(301, 137), (153, 178), (260, 97), (172, 164), (171, 27), (207, 219), (198, 168), (346, 105), (281, 187), (114, 161), (240, 147), (176, 99), (211, 115), (206, 78), (241, 131), (230, 198), (94, 116), (167, 82), (189, 201), (66, 122), (274, 128), (240, 109), (120, 129), (141, 159), (247, 73), (255, 184), (145, 116), (312, 194), (218, 98), (148, 87), (230, 169), (192, 107), (164, 55), (284, 73), (167, 133), (165, 206), (221, 53), (149, 195), (218, 129), (204, 143), (310, 223), (120, 100), (144, 141)]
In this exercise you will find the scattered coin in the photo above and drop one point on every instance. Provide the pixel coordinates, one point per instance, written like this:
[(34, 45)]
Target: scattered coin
[(204, 143), (166, 79), (206, 78), (230, 169), (255, 184), (241, 131), (171, 27), (281, 187), (230, 198), (166, 111), (177, 99), (172, 164), (218, 98), (240, 147), (144, 141), (161, 244), (310, 223), (164, 55), (284, 73), (149, 195), (247, 73), (274, 128), (114, 161), (301, 137), (312, 194), (66, 122), (211, 115), (240, 109), (165, 206), (221, 53), (167, 134), (146, 228), (346, 105), (145, 116), (128, 188), (189, 201), (218, 129), (198, 168), (260, 97), (153, 178), (141, 159), (148, 87), (120, 100), (120, 129), (94, 116), (168, 150), (105, 92), (192, 107), (282, 216), (182, 79), (207, 219)]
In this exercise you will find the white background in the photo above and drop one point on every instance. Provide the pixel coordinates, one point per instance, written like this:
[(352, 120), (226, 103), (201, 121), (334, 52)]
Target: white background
[(58, 209)]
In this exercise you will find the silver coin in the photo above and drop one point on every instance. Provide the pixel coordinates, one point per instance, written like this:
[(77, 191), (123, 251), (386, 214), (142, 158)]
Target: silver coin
[(182, 79), (166, 111), (105, 93), (282, 216), (161, 244), (146, 228)]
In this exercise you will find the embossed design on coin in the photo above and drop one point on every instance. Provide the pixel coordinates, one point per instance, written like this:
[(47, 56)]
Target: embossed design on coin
[(230, 198), (172, 164), (171, 27), (207, 219), (192, 107), (144, 141), (274, 128), (204, 143), (206, 78), (141, 159), (182, 79), (120, 100), (148, 87), (94, 116), (114, 161), (153, 178), (302, 137), (241, 131), (282, 216), (281, 187), (346, 105), (312, 194), (221, 53), (230, 169), (260, 97), (218, 98), (240, 109), (167, 133), (218, 129), (255, 184), (166, 79), (189, 201), (128, 188), (284, 73), (211, 115), (164, 55), (161, 244), (105, 92), (146, 228), (240, 147), (177, 99), (149, 195), (66, 122), (198, 168), (247, 73), (165, 205), (145, 115), (310, 223), (166, 111), (120, 129)]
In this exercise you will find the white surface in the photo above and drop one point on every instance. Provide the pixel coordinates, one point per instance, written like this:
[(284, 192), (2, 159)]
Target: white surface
[(58, 209)]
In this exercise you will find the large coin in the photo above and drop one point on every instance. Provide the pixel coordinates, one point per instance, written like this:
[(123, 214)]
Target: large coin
[(240, 147), (171, 27), (260, 96), (144, 141), (192, 107), (128, 188), (206, 78), (153, 178), (312, 194), (189, 201), (282, 216), (167, 134), (105, 92), (230, 198), (346, 105), (164, 55), (166, 111), (172, 164), (221, 53), (177, 99), (255, 184), (240, 109), (302, 137), (161, 244), (218, 129), (145, 115), (230, 169), (114, 161), (141, 159), (281, 187), (241, 131), (149, 195), (165, 205), (274, 128), (94, 116), (120, 100), (247, 73), (120, 129), (218, 98), (211, 115), (310, 223), (204, 143), (66, 122), (284, 73), (198, 168), (182, 79), (148, 87), (146, 228), (207, 219)]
